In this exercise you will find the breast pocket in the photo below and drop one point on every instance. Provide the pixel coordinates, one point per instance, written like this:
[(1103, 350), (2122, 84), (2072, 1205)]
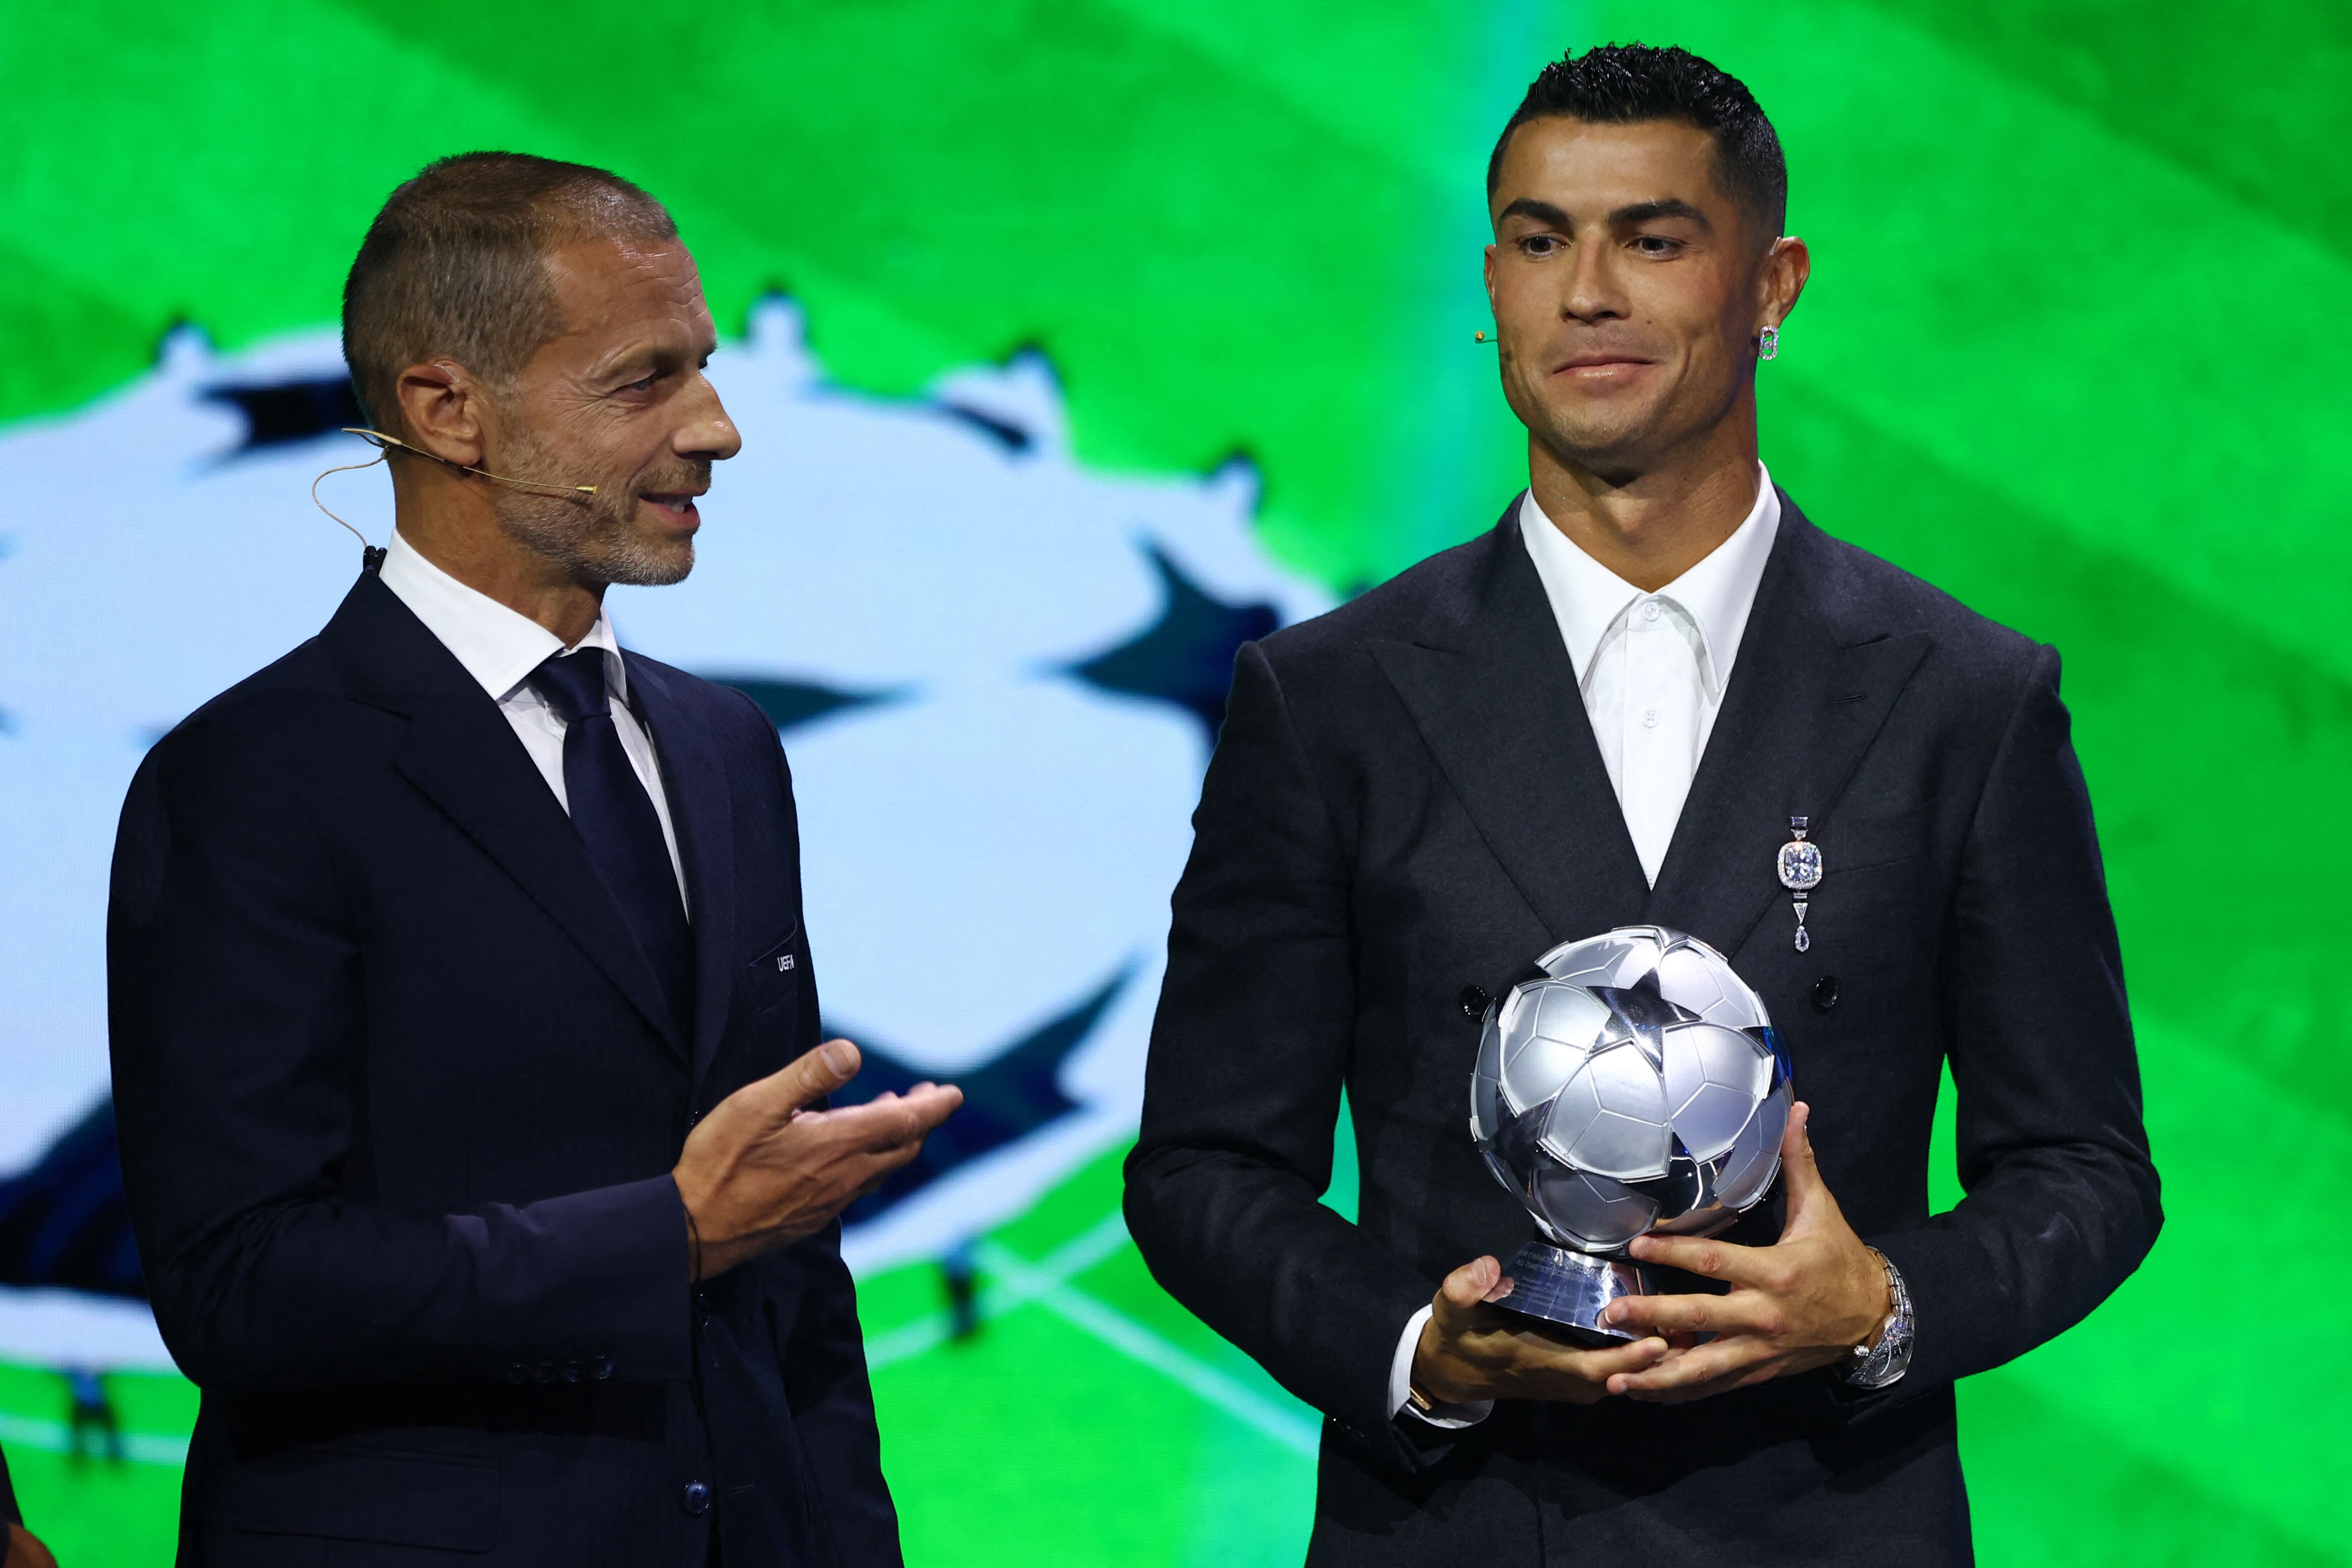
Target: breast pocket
[(773, 980), (1866, 843)]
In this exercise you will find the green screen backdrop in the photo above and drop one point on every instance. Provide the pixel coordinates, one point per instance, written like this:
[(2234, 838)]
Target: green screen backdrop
[(2074, 349)]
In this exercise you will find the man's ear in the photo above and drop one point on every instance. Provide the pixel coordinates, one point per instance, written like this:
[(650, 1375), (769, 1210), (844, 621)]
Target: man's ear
[(441, 406), (1787, 266)]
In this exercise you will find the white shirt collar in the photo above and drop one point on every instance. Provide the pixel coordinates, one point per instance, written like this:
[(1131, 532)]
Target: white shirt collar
[(1587, 598), (499, 647)]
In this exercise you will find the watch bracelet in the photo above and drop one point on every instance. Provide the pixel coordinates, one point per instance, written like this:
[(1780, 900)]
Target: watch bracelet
[(1885, 1361)]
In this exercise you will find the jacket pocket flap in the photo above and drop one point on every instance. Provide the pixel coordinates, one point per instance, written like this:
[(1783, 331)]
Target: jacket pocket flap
[(392, 1499)]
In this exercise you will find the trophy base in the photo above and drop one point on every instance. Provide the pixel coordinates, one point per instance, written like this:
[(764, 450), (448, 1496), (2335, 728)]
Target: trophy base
[(1567, 1290)]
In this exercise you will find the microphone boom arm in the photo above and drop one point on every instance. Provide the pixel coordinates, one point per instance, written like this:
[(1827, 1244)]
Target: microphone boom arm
[(385, 443)]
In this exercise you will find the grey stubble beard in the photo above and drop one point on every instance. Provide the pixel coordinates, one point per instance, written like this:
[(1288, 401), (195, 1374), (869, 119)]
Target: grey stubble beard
[(592, 537)]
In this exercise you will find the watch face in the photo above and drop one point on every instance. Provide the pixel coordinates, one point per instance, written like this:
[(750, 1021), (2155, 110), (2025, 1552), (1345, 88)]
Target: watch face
[(1801, 865)]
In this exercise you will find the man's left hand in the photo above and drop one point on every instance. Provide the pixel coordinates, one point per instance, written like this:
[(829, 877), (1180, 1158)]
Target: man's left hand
[(1805, 1302)]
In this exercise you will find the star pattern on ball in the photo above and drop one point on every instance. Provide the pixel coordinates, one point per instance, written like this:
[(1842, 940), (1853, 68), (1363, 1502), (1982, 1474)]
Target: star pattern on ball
[(1635, 1085)]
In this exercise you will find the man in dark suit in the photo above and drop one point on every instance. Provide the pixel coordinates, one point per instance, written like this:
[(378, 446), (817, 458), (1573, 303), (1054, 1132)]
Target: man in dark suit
[(465, 1038), (1608, 710)]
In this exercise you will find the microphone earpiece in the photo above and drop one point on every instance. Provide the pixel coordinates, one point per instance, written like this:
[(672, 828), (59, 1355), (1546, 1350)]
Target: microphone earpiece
[(380, 440)]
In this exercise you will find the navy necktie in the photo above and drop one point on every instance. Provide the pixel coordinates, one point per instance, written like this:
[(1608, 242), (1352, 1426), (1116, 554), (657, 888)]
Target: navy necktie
[(616, 821)]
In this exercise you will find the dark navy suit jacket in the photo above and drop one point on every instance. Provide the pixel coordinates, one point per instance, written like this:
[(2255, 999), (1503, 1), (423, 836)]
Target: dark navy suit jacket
[(1408, 800), (399, 1101)]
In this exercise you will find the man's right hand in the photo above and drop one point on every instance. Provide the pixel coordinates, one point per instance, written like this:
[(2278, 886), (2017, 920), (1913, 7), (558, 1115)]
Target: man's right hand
[(1472, 1349), (762, 1171)]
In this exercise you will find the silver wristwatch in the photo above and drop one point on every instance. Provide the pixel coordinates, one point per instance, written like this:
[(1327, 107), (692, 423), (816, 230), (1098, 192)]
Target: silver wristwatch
[(1877, 1364)]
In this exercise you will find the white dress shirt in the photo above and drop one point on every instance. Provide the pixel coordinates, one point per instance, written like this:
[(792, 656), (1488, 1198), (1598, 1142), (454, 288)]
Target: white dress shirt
[(500, 647), (1652, 669)]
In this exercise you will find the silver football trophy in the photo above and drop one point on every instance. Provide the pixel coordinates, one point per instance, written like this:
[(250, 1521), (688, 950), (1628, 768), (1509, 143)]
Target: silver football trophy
[(1637, 1085)]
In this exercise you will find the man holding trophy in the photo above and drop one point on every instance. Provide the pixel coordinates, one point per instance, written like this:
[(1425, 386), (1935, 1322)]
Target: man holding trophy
[(1647, 844)]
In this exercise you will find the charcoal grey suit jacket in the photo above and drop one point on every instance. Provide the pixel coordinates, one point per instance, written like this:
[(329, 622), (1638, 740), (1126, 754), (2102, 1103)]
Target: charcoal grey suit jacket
[(1407, 800)]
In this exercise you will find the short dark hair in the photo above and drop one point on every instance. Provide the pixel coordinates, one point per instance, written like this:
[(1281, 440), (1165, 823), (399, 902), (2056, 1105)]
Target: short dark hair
[(456, 264), (1620, 84)]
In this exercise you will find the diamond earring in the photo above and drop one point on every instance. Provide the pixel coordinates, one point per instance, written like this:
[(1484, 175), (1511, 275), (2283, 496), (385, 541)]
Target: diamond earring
[(1768, 344)]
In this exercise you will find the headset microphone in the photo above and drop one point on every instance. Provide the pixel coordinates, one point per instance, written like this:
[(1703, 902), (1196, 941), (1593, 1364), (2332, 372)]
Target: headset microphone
[(372, 556), (384, 443)]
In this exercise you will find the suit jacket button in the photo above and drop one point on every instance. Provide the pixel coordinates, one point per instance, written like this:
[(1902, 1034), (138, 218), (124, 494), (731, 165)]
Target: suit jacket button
[(571, 1372), (1825, 993), (545, 1372), (516, 1373), (697, 1499), (1474, 1002), (602, 1369)]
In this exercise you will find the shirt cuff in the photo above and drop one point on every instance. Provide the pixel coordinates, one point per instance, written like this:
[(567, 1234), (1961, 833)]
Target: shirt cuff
[(1468, 1414)]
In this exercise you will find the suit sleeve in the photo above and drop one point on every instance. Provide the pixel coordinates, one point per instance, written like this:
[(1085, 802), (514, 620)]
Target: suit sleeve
[(2062, 1199), (819, 1345), (236, 983), (1248, 1055)]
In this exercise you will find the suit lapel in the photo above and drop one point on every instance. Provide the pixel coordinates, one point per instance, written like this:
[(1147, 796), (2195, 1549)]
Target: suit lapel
[(1816, 677), (694, 777), (462, 754), (1489, 685)]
